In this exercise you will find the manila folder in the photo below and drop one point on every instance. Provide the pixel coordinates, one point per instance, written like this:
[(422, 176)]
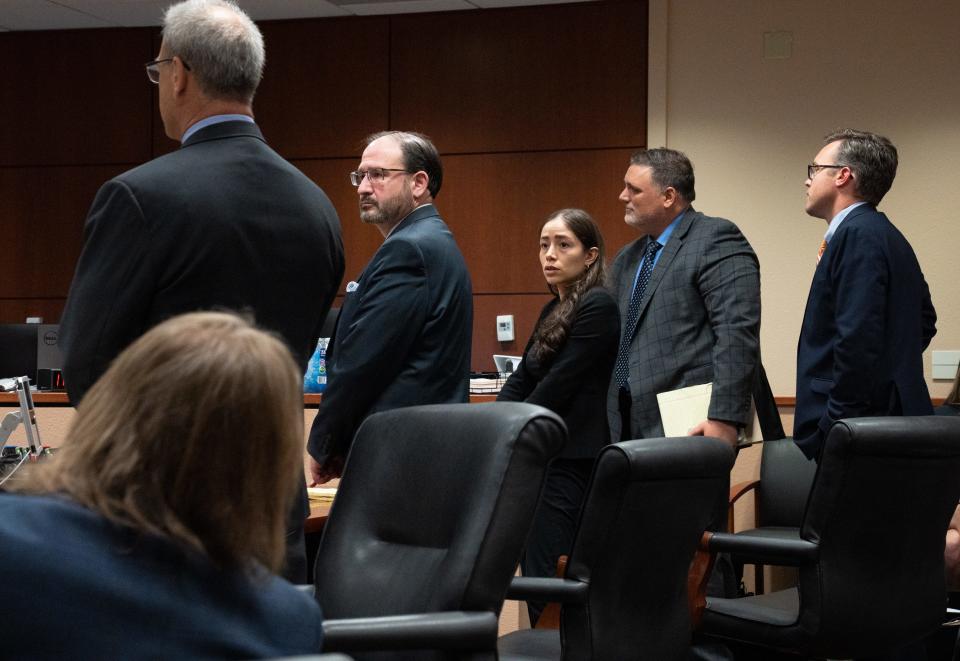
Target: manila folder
[(684, 408)]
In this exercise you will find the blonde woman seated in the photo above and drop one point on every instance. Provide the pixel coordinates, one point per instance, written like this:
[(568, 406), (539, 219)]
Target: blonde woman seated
[(155, 530), (566, 368)]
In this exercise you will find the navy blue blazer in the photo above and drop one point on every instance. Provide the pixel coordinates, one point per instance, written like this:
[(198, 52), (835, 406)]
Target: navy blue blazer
[(574, 383), (868, 319), (403, 336), (81, 587)]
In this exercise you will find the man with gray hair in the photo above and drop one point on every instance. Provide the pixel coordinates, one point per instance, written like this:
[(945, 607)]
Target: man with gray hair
[(404, 332), (222, 223), (869, 316)]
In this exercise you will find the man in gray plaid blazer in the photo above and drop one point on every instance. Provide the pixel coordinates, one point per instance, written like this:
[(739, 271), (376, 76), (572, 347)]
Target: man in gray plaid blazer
[(690, 305)]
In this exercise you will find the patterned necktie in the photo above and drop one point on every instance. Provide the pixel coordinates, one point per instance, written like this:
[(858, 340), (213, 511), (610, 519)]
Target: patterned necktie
[(823, 246), (621, 370)]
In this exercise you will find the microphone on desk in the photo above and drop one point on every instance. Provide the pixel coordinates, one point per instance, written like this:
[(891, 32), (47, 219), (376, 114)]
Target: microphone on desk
[(27, 414)]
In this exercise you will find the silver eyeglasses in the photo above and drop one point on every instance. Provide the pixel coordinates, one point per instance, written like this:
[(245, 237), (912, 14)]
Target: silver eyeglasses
[(374, 175), (153, 69)]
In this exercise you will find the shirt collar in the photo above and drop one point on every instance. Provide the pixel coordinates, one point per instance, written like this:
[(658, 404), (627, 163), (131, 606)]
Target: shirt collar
[(665, 234), (211, 120), (835, 223)]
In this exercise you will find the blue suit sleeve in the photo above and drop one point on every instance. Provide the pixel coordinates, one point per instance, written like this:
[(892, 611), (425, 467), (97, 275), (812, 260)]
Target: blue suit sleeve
[(861, 282)]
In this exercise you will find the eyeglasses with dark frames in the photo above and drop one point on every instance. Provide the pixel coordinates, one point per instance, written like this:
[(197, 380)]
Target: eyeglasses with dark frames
[(373, 175), (814, 168), (153, 69)]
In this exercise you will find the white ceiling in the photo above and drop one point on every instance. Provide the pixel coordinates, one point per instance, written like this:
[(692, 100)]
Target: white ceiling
[(72, 14)]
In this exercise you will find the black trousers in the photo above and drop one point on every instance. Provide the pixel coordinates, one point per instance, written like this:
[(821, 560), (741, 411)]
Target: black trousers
[(555, 521), (295, 565)]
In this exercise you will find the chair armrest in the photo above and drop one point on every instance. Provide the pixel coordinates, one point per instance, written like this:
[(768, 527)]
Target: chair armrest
[(538, 588), (737, 491), (451, 630), (306, 588), (741, 488), (697, 578), (769, 551)]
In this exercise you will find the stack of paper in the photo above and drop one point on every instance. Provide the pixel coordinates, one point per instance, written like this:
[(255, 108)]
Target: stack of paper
[(321, 494)]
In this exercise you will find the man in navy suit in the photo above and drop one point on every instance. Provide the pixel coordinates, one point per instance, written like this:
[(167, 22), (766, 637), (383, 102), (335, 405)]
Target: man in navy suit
[(221, 223), (404, 332), (868, 316)]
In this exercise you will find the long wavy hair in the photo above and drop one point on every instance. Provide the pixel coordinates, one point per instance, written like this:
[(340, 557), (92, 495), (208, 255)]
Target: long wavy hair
[(553, 332)]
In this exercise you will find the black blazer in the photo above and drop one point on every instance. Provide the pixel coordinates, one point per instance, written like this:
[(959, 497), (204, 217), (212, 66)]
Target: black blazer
[(868, 319), (574, 384), (222, 223), (403, 336)]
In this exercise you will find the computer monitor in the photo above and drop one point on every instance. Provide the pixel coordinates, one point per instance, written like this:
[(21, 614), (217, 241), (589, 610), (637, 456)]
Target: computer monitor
[(18, 350)]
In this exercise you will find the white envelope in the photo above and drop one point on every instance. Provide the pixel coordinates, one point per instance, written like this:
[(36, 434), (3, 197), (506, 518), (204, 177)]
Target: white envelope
[(684, 408)]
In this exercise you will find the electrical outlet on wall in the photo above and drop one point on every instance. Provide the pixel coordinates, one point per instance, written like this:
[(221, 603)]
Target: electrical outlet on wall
[(945, 364), (505, 327)]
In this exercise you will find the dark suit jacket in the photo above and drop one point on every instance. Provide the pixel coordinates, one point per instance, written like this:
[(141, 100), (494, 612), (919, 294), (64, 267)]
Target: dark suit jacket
[(574, 383), (403, 336), (699, 322), (222, 223), (85, 588), (867, 322)]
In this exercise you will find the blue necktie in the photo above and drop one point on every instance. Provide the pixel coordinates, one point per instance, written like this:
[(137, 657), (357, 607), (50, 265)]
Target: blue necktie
[(621, 371)]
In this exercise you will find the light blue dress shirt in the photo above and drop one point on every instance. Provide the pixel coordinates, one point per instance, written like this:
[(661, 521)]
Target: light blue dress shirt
[(835, 223), (662, 240), (211, 120)]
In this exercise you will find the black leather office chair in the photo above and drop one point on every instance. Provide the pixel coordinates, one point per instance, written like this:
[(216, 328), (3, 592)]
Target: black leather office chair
[(625, 591), (428, 525), (870, 549), (786, 476)]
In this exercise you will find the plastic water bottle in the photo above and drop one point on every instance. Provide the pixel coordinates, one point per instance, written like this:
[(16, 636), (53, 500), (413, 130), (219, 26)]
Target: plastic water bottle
[(322, 344), (315, 378)]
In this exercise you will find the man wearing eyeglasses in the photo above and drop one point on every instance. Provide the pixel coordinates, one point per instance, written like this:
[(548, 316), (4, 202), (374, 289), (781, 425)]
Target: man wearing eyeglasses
[(869, 316), (222, 223), (404, 332)]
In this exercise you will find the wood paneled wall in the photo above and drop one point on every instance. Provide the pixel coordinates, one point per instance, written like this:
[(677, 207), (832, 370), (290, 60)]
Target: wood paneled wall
[(533, 109)]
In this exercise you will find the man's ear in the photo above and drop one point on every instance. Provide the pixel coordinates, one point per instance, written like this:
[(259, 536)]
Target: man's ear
[(179, 79), (669, 197), (844, 176), (419, 184)]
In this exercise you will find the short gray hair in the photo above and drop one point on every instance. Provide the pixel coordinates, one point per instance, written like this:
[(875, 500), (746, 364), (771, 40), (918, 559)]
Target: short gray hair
[(224, 51)]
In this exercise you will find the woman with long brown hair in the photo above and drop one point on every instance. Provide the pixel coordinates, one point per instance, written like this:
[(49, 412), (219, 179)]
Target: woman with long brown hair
[(155, 530), (566, 368)]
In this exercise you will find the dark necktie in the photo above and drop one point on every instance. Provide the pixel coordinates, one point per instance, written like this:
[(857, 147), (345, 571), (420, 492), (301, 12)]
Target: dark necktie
[(621, 370)]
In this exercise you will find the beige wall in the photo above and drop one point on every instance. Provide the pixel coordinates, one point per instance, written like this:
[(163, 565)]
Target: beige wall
[(751, 125)]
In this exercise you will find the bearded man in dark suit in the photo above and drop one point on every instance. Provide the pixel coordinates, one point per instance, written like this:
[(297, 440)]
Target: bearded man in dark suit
[(404, 332), (222, 223)]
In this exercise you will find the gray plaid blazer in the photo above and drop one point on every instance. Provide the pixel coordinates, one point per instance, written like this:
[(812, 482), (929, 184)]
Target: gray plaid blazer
[(699, 322)]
